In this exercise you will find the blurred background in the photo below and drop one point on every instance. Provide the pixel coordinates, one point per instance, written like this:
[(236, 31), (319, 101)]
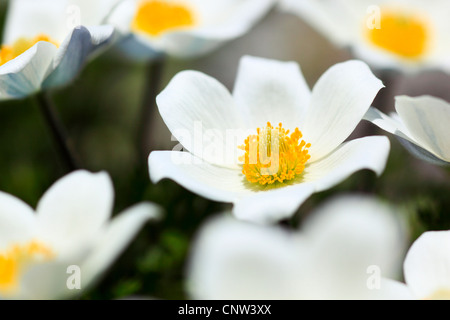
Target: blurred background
[(102, 109)]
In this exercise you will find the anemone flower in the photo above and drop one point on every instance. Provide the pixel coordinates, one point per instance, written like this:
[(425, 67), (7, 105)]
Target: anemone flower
[(45, 44), (342, 251), (427, 266), (389, 34), (58, 250), (420, 124), (183, 28), (246, 148)]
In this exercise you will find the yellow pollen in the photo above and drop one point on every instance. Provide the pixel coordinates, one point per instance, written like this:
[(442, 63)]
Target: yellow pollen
[(10, 52), (157, 16), (404, 34), (16, 259), (274, 155)]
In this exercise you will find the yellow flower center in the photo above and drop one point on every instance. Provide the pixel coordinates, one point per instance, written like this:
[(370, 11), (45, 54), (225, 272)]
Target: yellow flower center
[(442, 294), (274, 155), (15, 260), (406, 34), (157, 16), (10, 52)]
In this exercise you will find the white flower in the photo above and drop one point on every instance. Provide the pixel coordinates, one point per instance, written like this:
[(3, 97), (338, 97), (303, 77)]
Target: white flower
[(399, 34), (420, 124), (45, 46), (342, 251), (427, 266), (211, 123), (184, 28), (69, 231)]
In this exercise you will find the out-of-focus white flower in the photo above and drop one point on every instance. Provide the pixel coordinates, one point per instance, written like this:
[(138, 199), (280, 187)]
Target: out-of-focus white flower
[(45, 44), (70, 234), (427, 266), (421, 124), (343, 251), (399, 34), (277, 169), (184, 28)]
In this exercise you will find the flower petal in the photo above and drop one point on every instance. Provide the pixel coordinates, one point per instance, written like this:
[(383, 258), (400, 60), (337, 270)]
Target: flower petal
[(394, 125), (237, 260), (221, 21), (229, 18), (23, 75), (394, 290), (218, 22), (334, 19), (427, 120), (274, 205), (132, 47), (421, 153), (75, 208), (122, 15), (328, 260), (351, 238), (17, 221), (207, 180), (74, 52), (339, 101), (391, 124), (200, 112), (364, 153), (179, 44), (117, 235), (271, 91), (49, 280), (29, 18), (427, 263), (91, 12)]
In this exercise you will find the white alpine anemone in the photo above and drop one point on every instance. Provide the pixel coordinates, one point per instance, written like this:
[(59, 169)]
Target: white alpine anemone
[(69, 232), (427, 266), (45, 44), (399, 34), (342, 251), (420, 124), (237, 156), (183, 28)]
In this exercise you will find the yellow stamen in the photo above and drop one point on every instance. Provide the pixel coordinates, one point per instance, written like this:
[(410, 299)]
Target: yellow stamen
[(16, 259), (405, 34), (274, 155), (157, 16), (10, 52)]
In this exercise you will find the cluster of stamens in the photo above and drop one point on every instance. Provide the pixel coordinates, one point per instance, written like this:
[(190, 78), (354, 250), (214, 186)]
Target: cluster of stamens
[(274, 155)]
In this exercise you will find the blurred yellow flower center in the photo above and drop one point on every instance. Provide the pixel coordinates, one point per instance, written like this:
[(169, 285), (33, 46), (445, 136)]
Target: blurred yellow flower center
[(274, 155), (10, 52), (442, 294), (16, 259), (404, 34), (157, 16)]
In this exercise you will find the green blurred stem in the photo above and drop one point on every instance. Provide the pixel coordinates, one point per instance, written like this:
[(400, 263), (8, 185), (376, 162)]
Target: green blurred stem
[(57, 130), (152, 88)]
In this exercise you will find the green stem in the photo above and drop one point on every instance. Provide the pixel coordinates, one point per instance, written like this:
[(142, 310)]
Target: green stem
[(57, 130), (152, 88)]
